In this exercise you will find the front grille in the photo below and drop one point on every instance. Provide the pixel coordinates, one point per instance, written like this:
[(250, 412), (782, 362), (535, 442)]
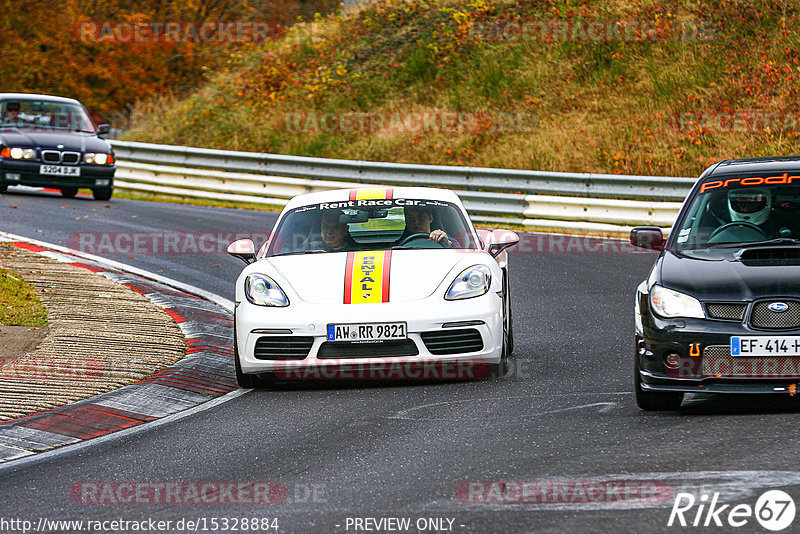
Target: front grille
[(771, 256), (70, 158), (384, 349), (763, 317), (51, 156), (727, 312), (283, 347), (460, 341)]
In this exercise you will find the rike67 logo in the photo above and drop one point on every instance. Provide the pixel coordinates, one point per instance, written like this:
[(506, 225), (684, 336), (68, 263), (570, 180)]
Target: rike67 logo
[(774, 510)]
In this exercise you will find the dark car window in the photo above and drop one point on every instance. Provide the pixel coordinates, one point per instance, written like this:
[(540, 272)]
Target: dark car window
[(733, 210), (312, 229), (44, 115)]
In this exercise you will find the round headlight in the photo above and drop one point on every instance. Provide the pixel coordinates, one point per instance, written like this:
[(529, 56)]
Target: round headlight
[(88, 157), (101, 159), (28, 153), (475, 279), (16, 153)]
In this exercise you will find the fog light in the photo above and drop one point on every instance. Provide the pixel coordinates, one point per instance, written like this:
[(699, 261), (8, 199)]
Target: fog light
[(672, 360), (13, 176), (102, 181)]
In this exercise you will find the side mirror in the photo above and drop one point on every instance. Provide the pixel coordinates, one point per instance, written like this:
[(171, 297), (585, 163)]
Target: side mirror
[(648, 237), (499, 240), (104, 129), (244, 249)]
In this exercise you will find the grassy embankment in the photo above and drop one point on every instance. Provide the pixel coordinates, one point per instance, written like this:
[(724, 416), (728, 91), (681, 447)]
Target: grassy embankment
[(705, 81), (19, 305)]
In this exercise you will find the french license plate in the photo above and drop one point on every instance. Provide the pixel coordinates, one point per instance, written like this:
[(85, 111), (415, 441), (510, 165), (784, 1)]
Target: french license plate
[(765, 346), (59, 170), (367, 332)]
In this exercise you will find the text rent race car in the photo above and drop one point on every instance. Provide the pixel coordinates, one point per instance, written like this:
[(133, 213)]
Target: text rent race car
[(720, 311), (373, 284), (49, 141)]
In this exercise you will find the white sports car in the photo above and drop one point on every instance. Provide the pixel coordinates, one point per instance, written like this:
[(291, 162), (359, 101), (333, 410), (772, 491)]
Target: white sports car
[(373, 284)]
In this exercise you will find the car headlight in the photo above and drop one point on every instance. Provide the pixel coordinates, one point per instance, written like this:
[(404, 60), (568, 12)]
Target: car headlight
[(472, 282), (20, 153), (98, 158), (669, 303), (263, 291)]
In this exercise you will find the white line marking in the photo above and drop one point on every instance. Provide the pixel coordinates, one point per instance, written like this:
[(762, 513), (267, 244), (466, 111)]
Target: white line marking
[(606, 406)]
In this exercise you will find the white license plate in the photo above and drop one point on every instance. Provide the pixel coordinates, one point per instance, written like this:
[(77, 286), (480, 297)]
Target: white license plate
[(765, 346), (59, 170), (367, 332)]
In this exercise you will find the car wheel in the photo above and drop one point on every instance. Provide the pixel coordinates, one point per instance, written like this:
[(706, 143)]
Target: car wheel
[(500, 369), (654, 401), (69, 192), (102, 194), (3, 188), (509, 319)]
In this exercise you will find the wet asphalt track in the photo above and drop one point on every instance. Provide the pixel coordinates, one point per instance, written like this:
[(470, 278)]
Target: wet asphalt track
[(565, 412)]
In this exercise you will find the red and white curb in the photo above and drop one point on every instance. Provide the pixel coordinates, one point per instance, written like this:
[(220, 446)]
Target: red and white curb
[(206, 373)]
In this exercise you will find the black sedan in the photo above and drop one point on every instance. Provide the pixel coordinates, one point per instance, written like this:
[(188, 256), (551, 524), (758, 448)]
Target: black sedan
[(49, 141), (720, 311)]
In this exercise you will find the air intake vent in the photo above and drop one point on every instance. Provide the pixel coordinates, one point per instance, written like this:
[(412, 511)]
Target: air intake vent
[(771, 256), (726, 312), (283, 347), (70, 158), (776, 315), (384, 349), (459, 341), (51, 156)]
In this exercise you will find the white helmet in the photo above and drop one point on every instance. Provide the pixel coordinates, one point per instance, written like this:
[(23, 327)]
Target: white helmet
[(750, 205)]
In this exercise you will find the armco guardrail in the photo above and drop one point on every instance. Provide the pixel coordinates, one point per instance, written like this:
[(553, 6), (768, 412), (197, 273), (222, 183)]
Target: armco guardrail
[(554, 201)]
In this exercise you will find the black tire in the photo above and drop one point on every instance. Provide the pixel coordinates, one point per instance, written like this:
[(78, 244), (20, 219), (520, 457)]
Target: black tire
[(69, 192), (102, 193), (510, 319), (654, 401), (3, 188), (498, 370)]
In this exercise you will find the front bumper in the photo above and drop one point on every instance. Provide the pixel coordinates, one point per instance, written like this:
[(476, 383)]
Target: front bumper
[(429, 315), (28, 173), (706, 366)]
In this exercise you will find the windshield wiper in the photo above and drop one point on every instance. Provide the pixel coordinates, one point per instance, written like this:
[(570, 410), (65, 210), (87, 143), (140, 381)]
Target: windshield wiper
[(751, 244), (314, 251)]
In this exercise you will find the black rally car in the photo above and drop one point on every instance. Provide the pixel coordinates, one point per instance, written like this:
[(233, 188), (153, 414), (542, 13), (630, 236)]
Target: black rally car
[(49, 141), (720, 311)]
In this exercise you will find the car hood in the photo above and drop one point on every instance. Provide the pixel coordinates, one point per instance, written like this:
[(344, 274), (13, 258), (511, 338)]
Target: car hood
[(48, 139), (412, 275), (727, 279)]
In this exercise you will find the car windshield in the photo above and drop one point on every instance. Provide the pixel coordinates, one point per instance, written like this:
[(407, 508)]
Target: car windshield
[(372, 225), (44, 115), (735, 211)]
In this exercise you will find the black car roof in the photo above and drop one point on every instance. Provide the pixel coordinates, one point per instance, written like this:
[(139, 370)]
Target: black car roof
[(755, 166), (30, 96)]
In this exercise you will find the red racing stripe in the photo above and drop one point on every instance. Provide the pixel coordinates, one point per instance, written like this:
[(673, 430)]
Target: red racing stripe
[(387, 268), (348, 277)]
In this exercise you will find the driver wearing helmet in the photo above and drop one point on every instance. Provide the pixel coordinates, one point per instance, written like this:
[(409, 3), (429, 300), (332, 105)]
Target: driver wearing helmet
[(755, 206)]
